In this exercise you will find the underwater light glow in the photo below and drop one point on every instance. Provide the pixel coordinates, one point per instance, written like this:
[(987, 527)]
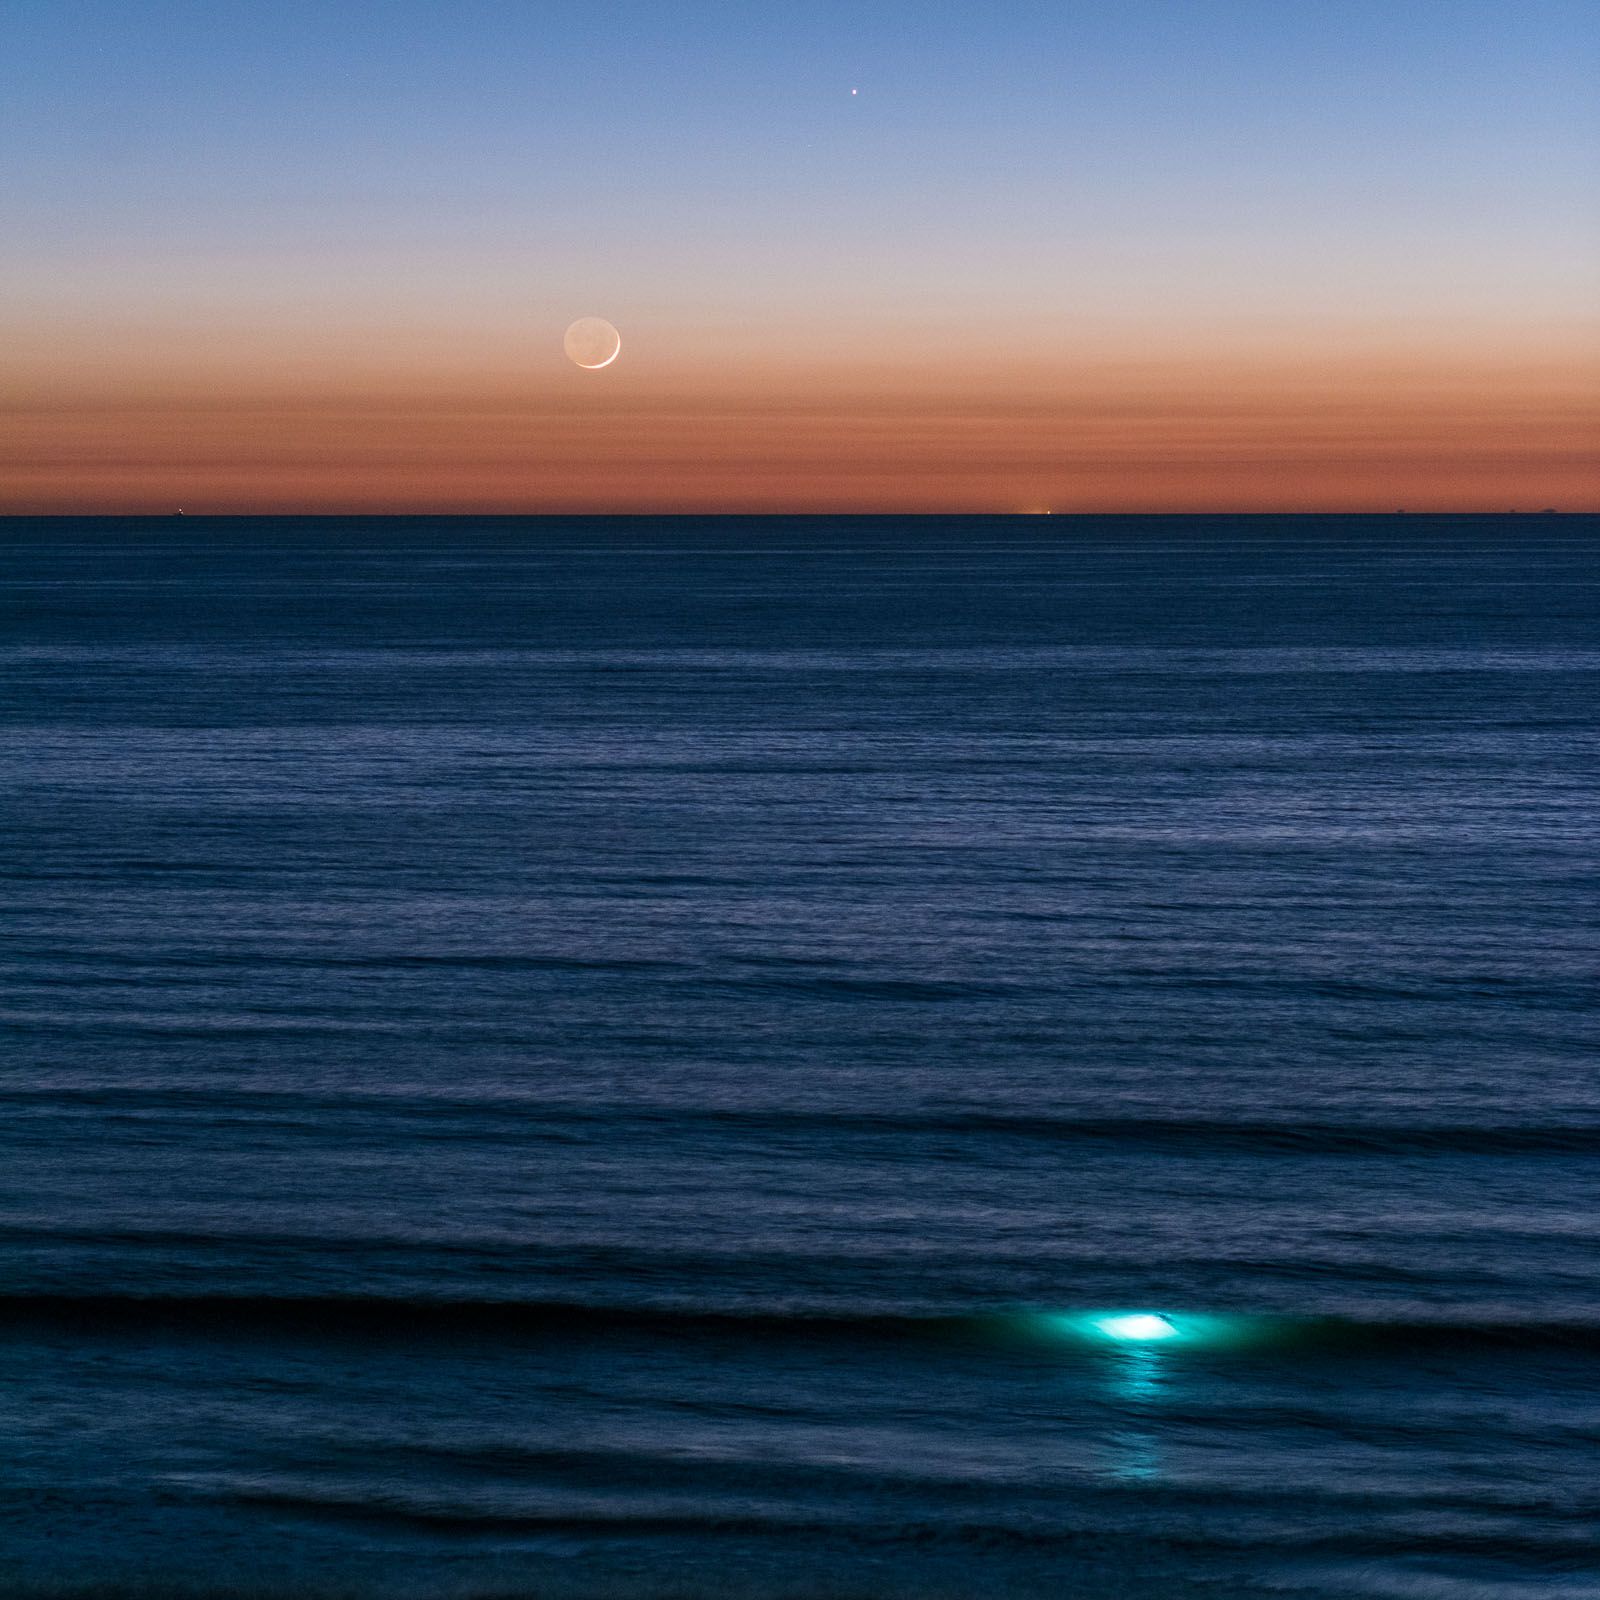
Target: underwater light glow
[(1140, 1326), (1132, 1331)]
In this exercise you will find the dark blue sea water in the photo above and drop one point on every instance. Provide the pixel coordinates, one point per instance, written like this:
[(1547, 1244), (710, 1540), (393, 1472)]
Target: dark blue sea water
[(633, 1057)]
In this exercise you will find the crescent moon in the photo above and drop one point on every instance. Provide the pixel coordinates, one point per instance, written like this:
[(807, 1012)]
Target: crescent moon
[(592, 343)]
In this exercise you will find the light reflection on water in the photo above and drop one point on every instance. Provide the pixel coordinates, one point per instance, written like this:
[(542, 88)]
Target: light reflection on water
[(1137, 1377)]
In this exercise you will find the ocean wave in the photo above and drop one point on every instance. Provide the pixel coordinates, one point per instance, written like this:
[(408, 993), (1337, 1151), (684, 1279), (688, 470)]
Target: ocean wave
[(402, 1315), (1026, 1519), (526, 1117)]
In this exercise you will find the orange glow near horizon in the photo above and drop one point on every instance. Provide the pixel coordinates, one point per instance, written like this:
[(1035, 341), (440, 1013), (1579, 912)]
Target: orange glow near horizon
[(426, 414), (1359, 425)]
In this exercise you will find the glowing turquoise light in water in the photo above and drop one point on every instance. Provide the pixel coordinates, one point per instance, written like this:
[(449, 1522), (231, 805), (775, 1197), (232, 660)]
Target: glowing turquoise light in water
[(1137, 1326), (1133, 1330)]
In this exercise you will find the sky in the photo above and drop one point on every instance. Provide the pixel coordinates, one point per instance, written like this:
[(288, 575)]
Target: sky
[(1093, 255)]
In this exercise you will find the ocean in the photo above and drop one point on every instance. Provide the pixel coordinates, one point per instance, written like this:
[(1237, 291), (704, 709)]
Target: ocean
[(804, 1057)]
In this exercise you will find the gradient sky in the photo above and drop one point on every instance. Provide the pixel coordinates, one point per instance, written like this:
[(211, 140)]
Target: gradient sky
[(1120, 255)]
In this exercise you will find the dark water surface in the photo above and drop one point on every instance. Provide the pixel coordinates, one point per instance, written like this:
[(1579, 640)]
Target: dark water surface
[(593, 1057)]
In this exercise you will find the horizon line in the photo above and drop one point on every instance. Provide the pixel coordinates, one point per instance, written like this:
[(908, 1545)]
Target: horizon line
[(184, 513)]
